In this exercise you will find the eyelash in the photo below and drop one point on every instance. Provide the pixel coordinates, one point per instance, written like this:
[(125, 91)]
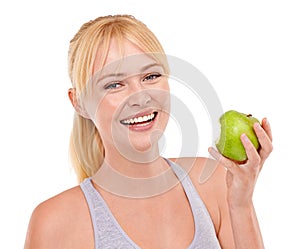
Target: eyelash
[(112, 85), (149, 77), (155, 75)]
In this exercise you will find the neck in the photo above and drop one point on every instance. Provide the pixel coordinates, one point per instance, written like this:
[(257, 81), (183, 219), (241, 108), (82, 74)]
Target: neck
[(149, 167), (135, 179), (133, 163)]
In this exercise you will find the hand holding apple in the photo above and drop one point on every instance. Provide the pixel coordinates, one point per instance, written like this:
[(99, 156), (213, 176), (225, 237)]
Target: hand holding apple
[(241, 177)]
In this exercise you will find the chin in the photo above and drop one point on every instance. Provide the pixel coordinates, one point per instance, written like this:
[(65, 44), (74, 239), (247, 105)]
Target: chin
[(139, 149), (142, 145)]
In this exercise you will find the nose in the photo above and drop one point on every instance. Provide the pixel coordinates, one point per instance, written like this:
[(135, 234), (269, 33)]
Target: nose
[(138, 96)]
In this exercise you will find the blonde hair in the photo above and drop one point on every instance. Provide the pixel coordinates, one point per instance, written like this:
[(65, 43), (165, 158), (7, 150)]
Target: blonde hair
[(86, 149)]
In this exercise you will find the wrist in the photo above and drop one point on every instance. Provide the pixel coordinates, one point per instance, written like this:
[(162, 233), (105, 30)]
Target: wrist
[(241, 206)]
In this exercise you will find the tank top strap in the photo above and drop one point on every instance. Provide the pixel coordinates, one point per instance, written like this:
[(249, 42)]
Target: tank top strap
[(205, 235), (107, 232)]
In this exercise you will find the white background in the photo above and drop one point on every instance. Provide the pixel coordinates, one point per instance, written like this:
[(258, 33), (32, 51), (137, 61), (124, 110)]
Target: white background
[(249, 51)]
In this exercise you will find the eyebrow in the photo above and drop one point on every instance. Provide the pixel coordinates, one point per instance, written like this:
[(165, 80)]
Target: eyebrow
[(150, 65), (111, 75), (142, 69)]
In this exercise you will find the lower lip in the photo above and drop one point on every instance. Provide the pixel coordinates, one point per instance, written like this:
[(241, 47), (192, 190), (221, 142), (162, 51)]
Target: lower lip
[(143, 126)]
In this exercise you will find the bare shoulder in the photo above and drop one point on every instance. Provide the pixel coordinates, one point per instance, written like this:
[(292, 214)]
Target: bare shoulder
[(54, 208), (203, 171), (55, 222)]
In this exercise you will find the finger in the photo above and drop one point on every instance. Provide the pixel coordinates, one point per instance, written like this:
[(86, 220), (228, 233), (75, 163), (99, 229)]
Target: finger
[(266, 126), (252, 154), (264, 141), (227, 163)]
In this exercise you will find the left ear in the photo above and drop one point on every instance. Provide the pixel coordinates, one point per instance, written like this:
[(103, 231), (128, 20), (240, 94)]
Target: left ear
[(76, 104)]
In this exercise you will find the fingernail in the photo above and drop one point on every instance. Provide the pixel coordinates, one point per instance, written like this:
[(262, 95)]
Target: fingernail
[(213, 152), (266, 121), (257, 126), (245, 138)]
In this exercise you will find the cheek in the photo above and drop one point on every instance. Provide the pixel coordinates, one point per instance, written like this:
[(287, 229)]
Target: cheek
[(109, 105), (165, 102), (166, 89), (104, 115), (162, 95)]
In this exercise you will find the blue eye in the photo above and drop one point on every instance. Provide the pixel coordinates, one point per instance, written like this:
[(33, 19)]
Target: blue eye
[(152, 77), (113, 85)]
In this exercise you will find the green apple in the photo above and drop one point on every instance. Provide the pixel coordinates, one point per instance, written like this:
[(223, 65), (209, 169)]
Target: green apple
[(233, 125)]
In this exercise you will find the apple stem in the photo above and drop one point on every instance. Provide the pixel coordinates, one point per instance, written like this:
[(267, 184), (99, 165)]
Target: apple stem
[(249, 115)]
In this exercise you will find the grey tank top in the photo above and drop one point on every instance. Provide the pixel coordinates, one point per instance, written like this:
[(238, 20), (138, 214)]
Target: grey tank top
[(108, 234)]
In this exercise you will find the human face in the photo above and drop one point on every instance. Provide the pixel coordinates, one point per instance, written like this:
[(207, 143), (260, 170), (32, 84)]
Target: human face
[(131, 96)]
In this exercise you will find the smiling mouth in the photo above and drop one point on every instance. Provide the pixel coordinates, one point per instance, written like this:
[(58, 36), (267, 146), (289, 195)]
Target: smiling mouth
[(140, 120)]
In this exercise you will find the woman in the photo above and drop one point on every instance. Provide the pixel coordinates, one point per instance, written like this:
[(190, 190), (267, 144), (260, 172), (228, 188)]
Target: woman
[(129, 196)]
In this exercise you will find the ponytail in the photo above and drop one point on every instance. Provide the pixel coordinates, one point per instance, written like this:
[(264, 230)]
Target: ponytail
[(86, 149)]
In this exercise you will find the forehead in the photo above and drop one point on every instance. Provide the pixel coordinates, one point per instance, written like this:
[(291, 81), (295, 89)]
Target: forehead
[(117, 51), (122, 56), (120, 50)]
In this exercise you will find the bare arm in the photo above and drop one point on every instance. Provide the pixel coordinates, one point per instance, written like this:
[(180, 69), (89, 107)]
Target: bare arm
[(245, 228), (41, 232)]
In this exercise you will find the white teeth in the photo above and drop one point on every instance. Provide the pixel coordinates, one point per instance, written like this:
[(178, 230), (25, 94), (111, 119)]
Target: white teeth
[(139, 119)]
